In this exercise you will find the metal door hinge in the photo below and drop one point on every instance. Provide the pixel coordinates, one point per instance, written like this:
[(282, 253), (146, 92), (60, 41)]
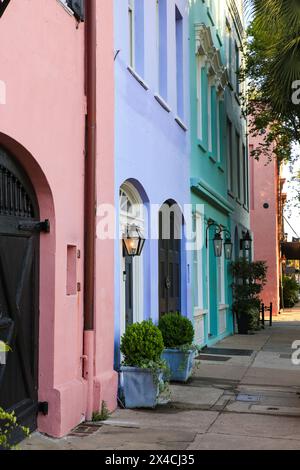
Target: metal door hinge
[(31, 226), (43, 407)]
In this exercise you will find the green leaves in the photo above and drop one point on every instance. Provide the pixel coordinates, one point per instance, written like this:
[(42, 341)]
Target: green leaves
[(290, 291), (8, 423), (141, 344), (249, 280), (176, 330), (272, 70)]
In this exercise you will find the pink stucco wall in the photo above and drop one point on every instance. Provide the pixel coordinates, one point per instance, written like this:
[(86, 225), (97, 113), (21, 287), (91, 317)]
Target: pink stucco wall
[(264, 222), (43, 124), (105, 378)]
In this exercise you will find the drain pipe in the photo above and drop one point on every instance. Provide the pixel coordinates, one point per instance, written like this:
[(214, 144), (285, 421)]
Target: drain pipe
[(90, 201)]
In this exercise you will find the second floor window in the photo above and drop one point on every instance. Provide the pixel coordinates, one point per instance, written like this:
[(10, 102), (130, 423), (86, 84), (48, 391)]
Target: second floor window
[(209, 115), (237, 69), (238, 165), (131, 32), (229, 155), (179, 62), (162, 47), (245, 178), (136, 35), (200, 72)]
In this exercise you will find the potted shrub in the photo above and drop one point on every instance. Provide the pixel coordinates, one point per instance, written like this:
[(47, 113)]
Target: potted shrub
[(290, 291), (249, 281), (178, 335), (143, 373)]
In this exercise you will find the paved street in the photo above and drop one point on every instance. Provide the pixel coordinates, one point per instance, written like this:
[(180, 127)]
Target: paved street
[(245, 394)]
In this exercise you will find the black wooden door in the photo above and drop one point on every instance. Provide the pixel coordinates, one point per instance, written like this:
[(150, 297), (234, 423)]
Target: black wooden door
[(169, 262), (128, 290), (19, 280)]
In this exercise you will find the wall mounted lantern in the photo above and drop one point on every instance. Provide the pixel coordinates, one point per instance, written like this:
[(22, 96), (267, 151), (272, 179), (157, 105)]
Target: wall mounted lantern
[(246, 242), (218, 241), (228, 247), (133, 241)]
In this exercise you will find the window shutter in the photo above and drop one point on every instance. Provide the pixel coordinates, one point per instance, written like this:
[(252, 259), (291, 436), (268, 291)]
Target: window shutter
[(78, 7), (3, 5)]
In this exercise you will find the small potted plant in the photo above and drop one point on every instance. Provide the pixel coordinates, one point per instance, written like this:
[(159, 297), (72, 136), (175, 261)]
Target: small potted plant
[(178, 335), (249, 281), (143, 373)]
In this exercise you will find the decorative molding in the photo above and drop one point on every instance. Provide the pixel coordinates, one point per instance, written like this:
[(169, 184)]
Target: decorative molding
[(201, 188), (212, 57), (236, 17)]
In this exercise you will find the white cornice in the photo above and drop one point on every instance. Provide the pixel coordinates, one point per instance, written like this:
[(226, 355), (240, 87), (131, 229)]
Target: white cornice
[(205, 47)]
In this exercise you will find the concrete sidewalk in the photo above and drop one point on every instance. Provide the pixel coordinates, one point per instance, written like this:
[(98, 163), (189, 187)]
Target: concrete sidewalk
[(244, 394)]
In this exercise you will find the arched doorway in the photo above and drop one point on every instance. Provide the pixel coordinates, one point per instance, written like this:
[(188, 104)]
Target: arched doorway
[(19, 291), (132, 300), (170, 240)]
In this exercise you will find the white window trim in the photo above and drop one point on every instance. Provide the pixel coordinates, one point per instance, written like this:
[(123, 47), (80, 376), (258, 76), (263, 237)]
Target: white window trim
[(199, 219), (131, 34), (221, 280), (158, 43), (207, 285), (209, 115), (218, 131)]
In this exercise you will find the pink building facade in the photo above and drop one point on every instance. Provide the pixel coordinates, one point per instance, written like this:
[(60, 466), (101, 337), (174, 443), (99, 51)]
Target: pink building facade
[(64, 371), (264, 194)]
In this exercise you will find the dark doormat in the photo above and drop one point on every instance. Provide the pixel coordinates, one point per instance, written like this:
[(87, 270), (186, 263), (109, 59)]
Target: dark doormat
[(212, 357), (227, 352)]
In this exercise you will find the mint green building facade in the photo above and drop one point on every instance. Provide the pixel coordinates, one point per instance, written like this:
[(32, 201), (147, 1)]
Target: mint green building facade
[(219, 160)]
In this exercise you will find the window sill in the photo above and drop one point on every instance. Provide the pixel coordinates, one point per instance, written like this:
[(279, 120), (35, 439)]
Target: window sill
[(238, 201), (230, 193), (201, 146), (162, 102), (199, 312), (138, 78), (65, 7), (237, 99), (219, 38), (230, 85), (212, 159), (221, 169), (210, 16), (181, 124), (223, 307)]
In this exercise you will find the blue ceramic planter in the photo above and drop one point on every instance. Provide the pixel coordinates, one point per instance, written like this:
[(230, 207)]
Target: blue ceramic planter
[(180, 364), (139, 388)]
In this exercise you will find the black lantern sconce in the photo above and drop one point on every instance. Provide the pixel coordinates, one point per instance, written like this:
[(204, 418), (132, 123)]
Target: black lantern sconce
[(218, 241), (246, 242), (133, 241)]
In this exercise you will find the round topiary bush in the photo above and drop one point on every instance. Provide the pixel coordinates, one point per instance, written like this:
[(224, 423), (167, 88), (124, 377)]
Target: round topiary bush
[(142, 343), (176, 330)]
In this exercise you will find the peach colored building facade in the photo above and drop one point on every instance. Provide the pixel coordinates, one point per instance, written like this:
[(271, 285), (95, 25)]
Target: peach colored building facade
[(265, 222), (42, 125)]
